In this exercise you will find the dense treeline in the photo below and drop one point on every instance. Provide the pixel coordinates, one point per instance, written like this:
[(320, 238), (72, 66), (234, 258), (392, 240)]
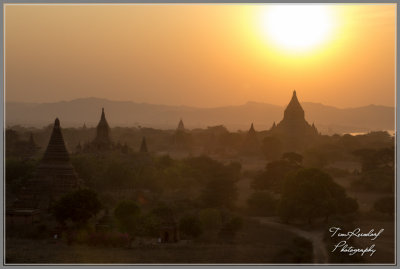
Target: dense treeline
[(133, 194)]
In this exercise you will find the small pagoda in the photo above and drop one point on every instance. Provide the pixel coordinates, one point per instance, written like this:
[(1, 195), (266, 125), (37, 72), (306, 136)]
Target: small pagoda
[(102, 140), (251, 144), (181, 140)]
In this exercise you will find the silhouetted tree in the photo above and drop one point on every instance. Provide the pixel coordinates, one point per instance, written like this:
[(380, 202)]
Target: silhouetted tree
[(311, 193), (78, 206), (292, 157), (272, 178), (377, 169), (220, 193)]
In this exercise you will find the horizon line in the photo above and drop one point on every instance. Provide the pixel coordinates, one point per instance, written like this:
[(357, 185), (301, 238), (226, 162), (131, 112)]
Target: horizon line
[(190, 106)]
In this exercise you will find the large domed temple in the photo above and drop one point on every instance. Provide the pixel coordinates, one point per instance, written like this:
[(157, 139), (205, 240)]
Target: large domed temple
[(294, 131)]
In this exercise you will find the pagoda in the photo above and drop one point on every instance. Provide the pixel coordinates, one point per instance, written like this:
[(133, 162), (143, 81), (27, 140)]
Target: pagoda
[(181, 138), (102, 140), (294, 130), (251, 145), (181, 126), (54, 176)]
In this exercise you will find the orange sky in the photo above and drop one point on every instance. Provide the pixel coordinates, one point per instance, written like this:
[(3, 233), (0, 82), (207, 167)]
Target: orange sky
[(197, 55)]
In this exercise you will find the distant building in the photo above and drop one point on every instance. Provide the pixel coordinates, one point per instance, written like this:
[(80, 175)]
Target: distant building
[(181, 138), (54, 176), (102, 140), (16, 147), (251, 145), (181, 126), (294, 131)]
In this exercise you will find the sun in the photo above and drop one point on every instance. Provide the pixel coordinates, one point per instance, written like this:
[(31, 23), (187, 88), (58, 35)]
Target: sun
[(297, 27)]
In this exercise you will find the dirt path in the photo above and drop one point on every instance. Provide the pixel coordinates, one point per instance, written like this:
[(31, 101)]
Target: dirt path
[(316, 237)]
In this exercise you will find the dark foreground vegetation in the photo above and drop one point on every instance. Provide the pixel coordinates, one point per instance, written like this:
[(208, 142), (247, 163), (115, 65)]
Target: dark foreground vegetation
[(213, 207)]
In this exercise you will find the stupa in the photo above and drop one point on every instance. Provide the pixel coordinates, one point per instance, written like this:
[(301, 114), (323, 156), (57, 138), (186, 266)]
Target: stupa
[(251, 145), (294, 130), (54, 176), (102, 140)]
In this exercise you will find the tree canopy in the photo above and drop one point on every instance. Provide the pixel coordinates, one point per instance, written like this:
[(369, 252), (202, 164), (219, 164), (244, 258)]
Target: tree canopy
[(78, 206), (127, 214), (311, 193)]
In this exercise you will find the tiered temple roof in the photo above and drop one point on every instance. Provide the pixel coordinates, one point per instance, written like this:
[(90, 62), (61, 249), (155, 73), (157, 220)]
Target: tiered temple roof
[(56, 152), (294, 129), (54, 176)]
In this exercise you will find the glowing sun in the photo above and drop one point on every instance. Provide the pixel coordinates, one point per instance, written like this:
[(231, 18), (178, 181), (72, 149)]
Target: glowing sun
[(297, 27)]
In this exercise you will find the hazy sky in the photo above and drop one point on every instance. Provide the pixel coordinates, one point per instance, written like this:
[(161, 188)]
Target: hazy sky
[(201, 55)]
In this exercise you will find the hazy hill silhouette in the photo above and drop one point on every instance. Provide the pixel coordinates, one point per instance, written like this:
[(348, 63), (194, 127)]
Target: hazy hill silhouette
[(75, 113)]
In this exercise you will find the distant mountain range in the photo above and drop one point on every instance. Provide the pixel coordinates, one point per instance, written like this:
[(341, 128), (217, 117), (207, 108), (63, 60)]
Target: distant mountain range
[(75, 113)]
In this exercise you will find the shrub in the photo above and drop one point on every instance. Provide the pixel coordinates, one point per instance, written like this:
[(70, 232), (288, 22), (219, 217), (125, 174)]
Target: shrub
[(78, 207), (127, 214)]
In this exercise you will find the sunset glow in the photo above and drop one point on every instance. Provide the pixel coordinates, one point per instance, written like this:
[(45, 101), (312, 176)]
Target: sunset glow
[(202, 55), (204, 134), (297, 27)]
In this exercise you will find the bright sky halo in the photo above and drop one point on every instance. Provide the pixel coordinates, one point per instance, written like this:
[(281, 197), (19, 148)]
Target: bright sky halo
[(297, 27)]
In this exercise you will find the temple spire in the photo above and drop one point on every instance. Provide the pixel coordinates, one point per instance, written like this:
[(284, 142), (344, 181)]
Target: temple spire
[(56, 150), (57, 123), (103, 116), (181, 126), (251, 145), (251, 130), (294, 111), (102, 139)]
